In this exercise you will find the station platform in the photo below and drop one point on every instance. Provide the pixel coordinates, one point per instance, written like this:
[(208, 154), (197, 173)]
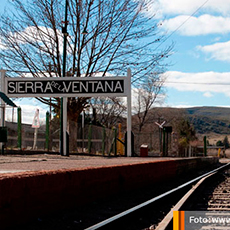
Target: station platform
[(40, 184), (41, 162)]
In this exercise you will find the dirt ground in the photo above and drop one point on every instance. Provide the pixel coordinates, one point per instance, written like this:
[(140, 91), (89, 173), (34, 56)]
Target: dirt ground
[(213, 138)]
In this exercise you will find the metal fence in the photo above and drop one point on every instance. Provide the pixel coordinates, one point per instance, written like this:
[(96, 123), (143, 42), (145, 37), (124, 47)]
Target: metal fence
[(155, 142), (89, 139), (95, 139), (27, 137)]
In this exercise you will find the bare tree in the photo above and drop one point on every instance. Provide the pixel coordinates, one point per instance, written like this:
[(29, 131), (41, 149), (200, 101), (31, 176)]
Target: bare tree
[(148, 94), (109, 110), (104, 37)]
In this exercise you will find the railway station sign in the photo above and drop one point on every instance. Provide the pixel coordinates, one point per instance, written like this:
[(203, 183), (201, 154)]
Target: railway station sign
[(66, 87)]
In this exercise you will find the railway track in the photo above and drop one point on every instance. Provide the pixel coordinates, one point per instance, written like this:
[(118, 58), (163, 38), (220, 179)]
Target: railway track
[(220, 197), (209, 198), (216, 195), (131, 218)]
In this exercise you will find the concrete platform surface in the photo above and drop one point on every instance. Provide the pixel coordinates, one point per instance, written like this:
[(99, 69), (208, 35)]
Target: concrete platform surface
[(35, 185), (22, 163)]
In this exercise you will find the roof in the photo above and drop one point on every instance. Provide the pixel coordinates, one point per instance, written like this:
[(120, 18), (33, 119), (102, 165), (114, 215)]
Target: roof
[(7, 99)]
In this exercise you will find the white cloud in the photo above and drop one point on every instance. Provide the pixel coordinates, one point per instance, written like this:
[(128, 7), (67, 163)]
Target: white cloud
[(2, 47), (216, 39), (190, 106), (44, 37), (212, 82), (28, 108), (208, 94), (175, 7), (40, 34), (219, 51), (180, 105), (202, 25)]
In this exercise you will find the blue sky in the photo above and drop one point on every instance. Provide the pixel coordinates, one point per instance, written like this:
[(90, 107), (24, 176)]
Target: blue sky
[(28, 105), (201, 52), (199, 74)]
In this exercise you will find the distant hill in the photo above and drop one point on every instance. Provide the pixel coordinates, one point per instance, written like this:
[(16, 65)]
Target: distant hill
[(210, 119), (206, 120)]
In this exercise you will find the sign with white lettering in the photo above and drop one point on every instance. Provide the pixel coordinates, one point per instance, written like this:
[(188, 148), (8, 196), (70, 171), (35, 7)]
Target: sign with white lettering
[(66, 87), (71, 87)]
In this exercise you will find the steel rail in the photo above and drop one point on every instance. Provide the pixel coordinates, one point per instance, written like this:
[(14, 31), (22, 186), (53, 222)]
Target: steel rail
[(122, 214), (168, 218)]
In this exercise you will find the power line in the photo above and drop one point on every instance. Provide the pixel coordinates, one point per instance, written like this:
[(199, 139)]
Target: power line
[(197, 83), (173, 32)]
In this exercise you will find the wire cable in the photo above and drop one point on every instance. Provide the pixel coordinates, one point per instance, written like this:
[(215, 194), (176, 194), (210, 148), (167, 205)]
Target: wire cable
[(197, 83), (173, 32)]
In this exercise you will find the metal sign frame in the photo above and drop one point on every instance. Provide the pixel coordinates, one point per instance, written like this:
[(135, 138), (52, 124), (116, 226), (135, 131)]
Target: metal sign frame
[(72, 87)]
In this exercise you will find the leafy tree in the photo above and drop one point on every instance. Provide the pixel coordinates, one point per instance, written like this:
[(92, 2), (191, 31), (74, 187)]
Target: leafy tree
[(219, 143), (186, 134), (186, 130)]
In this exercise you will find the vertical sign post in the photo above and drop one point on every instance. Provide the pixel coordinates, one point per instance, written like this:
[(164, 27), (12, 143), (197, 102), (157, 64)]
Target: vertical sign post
[(63, 128), (129, 114), (3, 72), (83, 130), (65, 152)]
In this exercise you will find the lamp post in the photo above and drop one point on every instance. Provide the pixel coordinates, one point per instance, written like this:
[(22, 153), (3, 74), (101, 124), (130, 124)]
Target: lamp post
[(63, 112)]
